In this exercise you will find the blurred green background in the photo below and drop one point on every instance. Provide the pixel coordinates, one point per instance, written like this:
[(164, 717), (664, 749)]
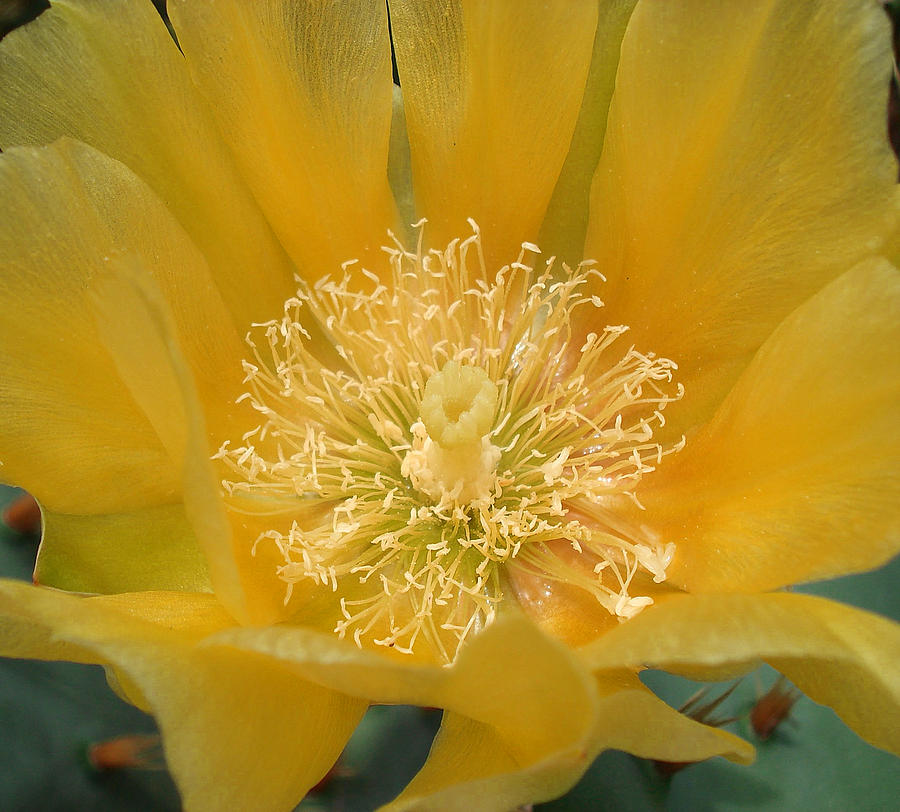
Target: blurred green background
[(51, 712)]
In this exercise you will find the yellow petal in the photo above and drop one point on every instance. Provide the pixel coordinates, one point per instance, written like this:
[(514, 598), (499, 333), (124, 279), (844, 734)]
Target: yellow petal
[(633, 719), (470, 766), (240, 731), (22, 637), (138, 331), (492, 93), (75, 437), (70, 432), (101, 425), (302, 93), (511, 677), (107, 73), (797, 476), (837, 655), (564, 610), (151, 548), (258, 566), (745, 165), (565, 223), (127, 217)]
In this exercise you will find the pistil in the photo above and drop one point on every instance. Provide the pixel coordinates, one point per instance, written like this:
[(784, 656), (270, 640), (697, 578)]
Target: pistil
[(452, 459)]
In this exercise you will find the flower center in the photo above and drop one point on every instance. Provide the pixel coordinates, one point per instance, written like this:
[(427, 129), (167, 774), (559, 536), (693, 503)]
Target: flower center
[(462, 431)]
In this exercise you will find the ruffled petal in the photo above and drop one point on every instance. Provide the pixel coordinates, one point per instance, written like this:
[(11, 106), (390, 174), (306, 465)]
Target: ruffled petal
[(798, 475), (273, 735), (470, 766), (565, 223), (301, 92), (524, 719), (511, 677), (840, 656), (492, 93), (745, 165), (107, 73), (632, 718)]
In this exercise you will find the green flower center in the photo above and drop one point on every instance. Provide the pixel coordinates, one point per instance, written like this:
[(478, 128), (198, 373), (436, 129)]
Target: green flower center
[(463, 430)]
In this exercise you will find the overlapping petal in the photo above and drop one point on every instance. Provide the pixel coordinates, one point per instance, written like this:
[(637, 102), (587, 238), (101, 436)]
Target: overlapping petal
[(275, 735), (843, 657), (798, 475), (524, 718), (565, 221), (400, 167), (75, 212), (140, 333), (469, 760), (710, 236), (511, 677), (107, 73), (178, 656), (101, 425), (492, 92), (301, 92), (745, 164)]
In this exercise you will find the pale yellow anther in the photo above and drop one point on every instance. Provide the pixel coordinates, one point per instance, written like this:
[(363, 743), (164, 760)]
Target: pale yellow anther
[(510, 452), (458, 405)]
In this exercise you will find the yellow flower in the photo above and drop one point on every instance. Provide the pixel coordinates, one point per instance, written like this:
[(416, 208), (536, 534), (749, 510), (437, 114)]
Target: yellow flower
[(452, 479)]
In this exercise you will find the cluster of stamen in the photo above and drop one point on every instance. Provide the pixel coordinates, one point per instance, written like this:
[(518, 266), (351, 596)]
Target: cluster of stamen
[(454, 428)]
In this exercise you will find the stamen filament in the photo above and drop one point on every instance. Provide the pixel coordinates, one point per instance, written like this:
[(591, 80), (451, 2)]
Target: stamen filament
[(466, 428)]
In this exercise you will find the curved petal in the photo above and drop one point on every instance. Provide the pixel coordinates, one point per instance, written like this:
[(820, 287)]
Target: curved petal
[(837, 655), (107, 73), (559, 602), (745, 165), (70, 432), (564, 610), (138, 330), (124, 215), (471, 766), (492, 93), (150, 548), (525, 686), (94, 421), (565, 223), (74, 432), (632, 718), (797, 476), (275, 735), (301, 92)]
